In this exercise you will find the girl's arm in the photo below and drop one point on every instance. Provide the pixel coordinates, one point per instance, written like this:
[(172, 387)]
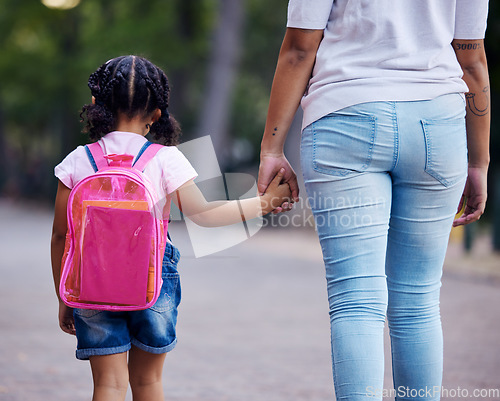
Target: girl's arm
[(472, 59), (59, 229), (293, 71), (193, 204)]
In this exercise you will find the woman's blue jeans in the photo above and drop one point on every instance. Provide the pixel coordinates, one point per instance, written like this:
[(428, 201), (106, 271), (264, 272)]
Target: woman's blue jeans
[(384, 180)]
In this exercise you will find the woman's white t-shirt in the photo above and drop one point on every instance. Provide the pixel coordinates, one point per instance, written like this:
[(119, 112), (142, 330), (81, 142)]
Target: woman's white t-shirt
[(384, 50), (168, 170)]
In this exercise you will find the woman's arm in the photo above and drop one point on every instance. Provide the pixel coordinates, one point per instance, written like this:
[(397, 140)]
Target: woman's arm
[(193, 204), (472, 59), (293, 71), (57, 243)]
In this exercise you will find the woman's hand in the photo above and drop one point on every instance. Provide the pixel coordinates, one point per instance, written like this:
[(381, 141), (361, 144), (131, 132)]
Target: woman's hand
[(270, 165), (474, 197), (277, 194), (66, 319)]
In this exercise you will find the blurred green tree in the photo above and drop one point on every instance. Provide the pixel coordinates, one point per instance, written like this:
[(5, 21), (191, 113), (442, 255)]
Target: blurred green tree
[(47, 56)]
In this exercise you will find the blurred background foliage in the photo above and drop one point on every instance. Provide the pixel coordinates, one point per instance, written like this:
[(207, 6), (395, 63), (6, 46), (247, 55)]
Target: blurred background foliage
[(220, 57), (48, 54)]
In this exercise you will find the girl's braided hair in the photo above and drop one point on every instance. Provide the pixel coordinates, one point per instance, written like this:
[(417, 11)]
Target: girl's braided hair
[(135, 87)]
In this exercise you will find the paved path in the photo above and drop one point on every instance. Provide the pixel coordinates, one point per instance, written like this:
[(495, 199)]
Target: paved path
[(253, 322)]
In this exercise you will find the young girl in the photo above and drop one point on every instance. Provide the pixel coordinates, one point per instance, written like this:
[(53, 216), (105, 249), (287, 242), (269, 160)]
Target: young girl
[(130, 99)]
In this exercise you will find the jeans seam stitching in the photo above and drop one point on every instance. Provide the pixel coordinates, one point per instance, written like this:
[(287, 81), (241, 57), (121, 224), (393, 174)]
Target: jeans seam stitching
[(395, 125), (372, 142)]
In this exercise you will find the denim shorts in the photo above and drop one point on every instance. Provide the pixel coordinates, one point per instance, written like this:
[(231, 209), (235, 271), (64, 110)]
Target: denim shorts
[(152, 330)]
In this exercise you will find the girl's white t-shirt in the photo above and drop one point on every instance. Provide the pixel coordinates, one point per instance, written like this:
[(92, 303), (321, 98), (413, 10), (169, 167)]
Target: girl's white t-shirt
[(384, 50), (167, 171)]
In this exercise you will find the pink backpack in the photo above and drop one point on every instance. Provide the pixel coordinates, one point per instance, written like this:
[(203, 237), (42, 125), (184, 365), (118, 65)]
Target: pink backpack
[(115, 240)]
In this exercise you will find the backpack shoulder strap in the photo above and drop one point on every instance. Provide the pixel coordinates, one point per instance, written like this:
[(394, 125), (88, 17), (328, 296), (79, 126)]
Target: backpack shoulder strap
[(96, 156), (147, 152)]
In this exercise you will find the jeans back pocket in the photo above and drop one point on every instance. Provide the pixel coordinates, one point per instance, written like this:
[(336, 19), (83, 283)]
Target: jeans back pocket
[(446, 150), (169, 295), (343, 144)]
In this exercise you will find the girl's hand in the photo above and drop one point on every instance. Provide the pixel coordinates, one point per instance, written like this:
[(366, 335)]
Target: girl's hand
[(66, 320), (277, 193), (474, 197)]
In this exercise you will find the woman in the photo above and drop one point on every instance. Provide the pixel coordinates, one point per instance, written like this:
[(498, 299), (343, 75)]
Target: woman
[(384, 158)]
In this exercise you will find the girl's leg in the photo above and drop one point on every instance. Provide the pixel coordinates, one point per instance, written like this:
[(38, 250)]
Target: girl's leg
[(110, 376), (428, 183), (145, 371)]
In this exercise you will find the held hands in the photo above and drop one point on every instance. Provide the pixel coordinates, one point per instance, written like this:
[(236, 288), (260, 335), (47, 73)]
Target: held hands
[(473, 200), (66, 320), (270, 165), (276, 194)]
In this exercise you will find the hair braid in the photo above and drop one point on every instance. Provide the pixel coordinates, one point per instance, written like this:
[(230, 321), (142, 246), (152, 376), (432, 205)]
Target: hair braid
[(100, 119), (166, 129)]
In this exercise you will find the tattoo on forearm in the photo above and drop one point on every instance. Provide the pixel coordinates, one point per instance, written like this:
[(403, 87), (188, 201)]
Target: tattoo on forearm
[(275, 131), (468, 46), (471, 102)]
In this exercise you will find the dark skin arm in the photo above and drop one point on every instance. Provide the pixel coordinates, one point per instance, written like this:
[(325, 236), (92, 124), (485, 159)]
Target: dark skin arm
[(472, 58), (293, 71), (59, 228)]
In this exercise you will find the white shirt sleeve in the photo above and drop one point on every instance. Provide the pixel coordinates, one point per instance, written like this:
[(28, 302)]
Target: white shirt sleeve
[(176, 169), (309, 14), (74, 168), (470, 19), (65, 171)]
